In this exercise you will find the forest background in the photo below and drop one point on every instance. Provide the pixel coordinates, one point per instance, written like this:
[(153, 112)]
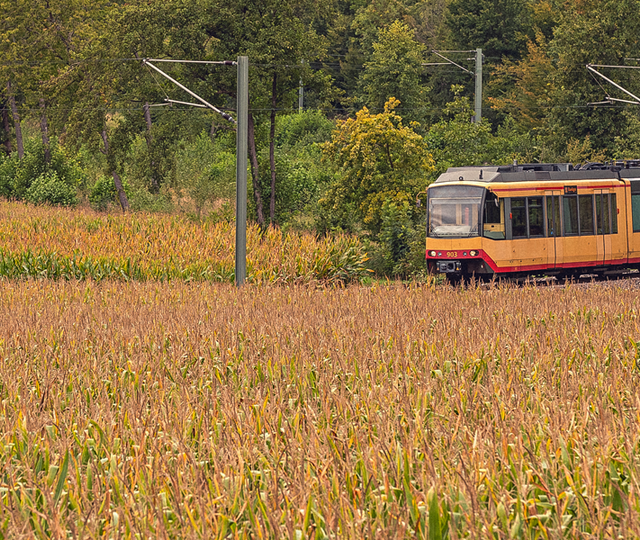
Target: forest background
[(85, 121)]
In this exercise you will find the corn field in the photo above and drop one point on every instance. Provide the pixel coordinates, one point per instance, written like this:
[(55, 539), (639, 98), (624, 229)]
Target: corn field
[(71, 244), (197, 410)]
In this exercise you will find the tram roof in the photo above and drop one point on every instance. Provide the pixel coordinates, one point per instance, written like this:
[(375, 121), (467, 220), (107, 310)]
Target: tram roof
[(540, 172)]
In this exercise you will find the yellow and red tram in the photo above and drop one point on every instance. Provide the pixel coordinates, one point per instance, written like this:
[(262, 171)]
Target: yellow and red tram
[(534, 219)]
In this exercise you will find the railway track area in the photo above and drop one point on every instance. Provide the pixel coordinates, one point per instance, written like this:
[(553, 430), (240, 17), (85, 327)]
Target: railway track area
[(632, 279)]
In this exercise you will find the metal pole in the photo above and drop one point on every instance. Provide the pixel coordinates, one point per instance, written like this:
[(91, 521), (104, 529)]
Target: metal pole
[(242, 137), (300, 97), (478, 86), (300, 93)]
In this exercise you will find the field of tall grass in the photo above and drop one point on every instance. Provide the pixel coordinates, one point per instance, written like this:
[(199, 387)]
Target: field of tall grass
[(61, 243), (196, 410)]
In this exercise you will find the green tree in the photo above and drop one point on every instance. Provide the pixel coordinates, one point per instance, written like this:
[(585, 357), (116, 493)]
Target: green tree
[(38, 40), (455, 141), (277, 36), (590, 32), (395, 70), (378, 159), (499, 27), (108, 99), (87, 94), (628, 146), (302, 176)]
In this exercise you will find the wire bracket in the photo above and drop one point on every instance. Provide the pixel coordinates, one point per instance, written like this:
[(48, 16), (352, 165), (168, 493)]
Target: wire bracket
[(205, 103)]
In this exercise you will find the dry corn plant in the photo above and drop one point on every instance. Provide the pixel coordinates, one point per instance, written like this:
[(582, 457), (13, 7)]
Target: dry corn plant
[(75, 244), (177, 410)]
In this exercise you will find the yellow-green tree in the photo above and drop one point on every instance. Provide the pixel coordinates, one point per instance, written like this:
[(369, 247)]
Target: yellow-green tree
[(378, 160)]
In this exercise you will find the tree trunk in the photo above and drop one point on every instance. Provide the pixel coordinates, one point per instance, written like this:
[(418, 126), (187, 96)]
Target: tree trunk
[(117, 182), (16, 121), (44, 128), (155, 186), (122, 196), (253, 156), (7, 129), (272, 157)]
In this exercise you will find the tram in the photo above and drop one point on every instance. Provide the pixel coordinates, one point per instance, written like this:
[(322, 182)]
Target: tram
[(550, 219)]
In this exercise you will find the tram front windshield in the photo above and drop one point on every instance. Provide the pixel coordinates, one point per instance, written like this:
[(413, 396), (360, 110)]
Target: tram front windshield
[(454, 211)]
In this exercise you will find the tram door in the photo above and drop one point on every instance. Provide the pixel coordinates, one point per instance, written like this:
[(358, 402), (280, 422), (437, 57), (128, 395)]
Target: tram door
[(554, 230), (603, 226)]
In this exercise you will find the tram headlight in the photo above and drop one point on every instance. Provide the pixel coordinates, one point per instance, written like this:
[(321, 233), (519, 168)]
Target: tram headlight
[(473, 253), (432, 254)]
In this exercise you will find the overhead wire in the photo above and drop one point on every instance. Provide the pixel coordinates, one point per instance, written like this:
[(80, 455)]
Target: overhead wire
[(320, 65), (172, 109), (9, 63)]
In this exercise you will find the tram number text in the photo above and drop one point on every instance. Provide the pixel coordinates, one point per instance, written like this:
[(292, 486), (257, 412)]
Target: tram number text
[(452, 254)]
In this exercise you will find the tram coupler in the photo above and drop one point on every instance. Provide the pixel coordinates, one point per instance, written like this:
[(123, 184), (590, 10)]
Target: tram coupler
[(447, 267)]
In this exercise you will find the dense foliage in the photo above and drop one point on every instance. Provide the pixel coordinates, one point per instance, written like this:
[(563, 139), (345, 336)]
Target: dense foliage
[(84, 120)]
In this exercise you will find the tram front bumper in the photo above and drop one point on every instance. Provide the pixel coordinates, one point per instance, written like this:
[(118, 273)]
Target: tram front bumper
[(448, 267)]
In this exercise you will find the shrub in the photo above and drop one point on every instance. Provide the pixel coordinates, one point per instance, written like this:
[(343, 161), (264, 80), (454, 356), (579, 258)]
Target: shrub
[(303, 129), (142, 200), (8, 168), (104, 192), (400, 250), (205, 172), (49, 188), (18, 175)]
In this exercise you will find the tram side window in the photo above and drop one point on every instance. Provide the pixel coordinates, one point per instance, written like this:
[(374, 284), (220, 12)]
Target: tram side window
[(527, 217), (602, 213), (519, 217), (536, 216), (553, 216), (586, 214), (635, 204), (570, 214), (614, 214), (493, 218)]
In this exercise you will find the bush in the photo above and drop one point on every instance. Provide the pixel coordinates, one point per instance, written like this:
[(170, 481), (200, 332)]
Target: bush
[(8, 168), (303, 129), (141, 200), (301, 177), (400, 249), (205, 171), (103, 193), (18, 175), (49, 188)]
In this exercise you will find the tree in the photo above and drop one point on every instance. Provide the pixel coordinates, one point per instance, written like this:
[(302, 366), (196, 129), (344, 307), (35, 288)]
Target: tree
[(590, 32), (395, 70), (378, 159), (277, 36), (499, 27), (38, 38), (355, 28), (455, 141), (16, 41), (108, 98), (87, 92), (526, 89), (6, 128)]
